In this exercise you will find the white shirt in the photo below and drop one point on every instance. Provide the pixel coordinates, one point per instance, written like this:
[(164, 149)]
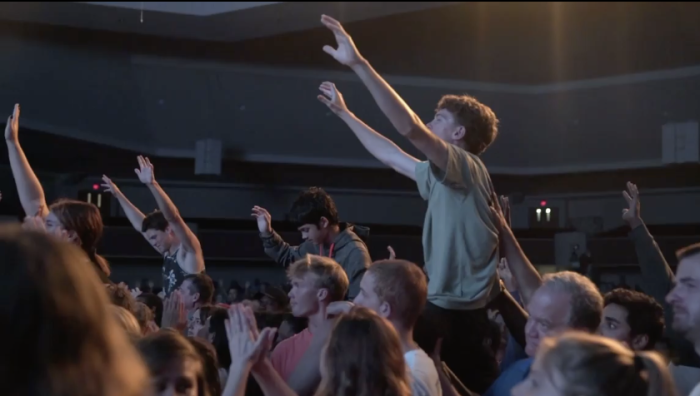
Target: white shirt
[(424, 376), (696, 391)]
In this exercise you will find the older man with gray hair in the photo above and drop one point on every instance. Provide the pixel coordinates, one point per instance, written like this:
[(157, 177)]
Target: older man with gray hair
[(564, 301)]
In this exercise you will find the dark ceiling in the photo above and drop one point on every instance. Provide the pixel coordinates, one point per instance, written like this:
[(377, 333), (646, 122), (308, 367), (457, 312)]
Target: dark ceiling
[(518, 43)]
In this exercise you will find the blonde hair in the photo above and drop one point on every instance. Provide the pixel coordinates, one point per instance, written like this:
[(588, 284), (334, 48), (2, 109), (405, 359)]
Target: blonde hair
[(59, 323), (330, 275), (126, 320), (363, 357), (592, 365), (403, 285)]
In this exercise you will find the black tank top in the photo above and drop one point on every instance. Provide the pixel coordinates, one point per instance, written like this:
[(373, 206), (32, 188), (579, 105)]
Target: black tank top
[(173, 275)]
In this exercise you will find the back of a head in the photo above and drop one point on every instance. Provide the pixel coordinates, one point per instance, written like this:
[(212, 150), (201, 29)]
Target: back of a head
[(143, 315), (154, 221), (645, 316), (58, 322), (584, 364), (313, 204), (478, 120), (586, 300), (121, 296), (404, 286), (329, 274), (363, 357), (201, 283), (127, 321), (86, 221)]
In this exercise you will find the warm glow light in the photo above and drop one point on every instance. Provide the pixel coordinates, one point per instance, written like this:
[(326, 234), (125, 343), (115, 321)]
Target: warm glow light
[(543, 203), (95, 187)]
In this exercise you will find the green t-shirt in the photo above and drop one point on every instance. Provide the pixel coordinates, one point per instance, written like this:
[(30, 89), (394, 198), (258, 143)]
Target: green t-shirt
[(460, 237)]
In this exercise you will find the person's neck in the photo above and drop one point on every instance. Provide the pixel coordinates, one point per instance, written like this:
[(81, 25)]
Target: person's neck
[(332, 234), (406, 338), (317, 319)]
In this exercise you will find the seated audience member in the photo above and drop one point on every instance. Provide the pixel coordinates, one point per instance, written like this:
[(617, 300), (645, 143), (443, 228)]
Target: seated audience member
[(397, 290), (362, 356), (565, 301), (197, 291), (684, 300), (316, 282), (60, 337), (633, 318), (584, 364), (164, 229), (212, 376), (174, 364), (323, 234), (127, 321)]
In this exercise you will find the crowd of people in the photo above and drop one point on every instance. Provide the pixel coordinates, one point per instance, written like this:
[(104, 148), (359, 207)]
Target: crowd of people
[(475, 318)]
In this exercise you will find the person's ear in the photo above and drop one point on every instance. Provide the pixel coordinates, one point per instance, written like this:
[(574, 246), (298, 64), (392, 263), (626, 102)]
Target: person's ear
[(323, 223)]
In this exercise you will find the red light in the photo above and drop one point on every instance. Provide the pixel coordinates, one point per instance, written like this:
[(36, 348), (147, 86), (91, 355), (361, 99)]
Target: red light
[(95, 186), (543, 203)]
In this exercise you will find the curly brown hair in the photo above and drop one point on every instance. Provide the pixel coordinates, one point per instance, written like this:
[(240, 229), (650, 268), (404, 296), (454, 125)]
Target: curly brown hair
[(478, 120)]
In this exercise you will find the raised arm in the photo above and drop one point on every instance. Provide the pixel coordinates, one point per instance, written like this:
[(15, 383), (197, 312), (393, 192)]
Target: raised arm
[(132, 212), (383, 149), (275, 247), (397, 111), (177, 224), (31, 194)]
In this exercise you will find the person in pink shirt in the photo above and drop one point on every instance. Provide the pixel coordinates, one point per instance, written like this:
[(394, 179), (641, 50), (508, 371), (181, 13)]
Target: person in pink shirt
[(316, 282)]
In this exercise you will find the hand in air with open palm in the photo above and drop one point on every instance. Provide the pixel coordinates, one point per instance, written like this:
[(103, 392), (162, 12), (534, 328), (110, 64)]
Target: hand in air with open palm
[(145, 170), (346, 53)]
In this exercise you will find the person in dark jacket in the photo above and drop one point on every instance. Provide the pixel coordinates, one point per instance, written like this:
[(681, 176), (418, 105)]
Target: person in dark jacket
[(324, 235)]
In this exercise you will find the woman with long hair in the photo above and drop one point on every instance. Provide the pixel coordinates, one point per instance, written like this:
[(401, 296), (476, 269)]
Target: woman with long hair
[(583, 364), (59, 336), (76, 221)]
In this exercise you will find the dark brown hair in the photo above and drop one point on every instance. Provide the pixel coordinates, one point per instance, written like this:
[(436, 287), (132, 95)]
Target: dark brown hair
[(479, 121), (161, 349), (363, 357), (403, 285), (59, 337), (86, 221)]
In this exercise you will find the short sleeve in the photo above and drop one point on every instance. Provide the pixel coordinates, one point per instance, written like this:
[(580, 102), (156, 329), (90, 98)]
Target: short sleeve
[(278, 358), (424, 179), (459, 172)]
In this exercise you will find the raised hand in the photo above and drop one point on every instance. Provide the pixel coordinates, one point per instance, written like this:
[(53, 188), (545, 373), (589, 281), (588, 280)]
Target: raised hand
[(346, 53), (506, 276), (631, 213), (505, 208), (174, 313), (243, 341), (12, 126), (332, 98), (109, 186), (264, 219), (392, 253), (145, 170)]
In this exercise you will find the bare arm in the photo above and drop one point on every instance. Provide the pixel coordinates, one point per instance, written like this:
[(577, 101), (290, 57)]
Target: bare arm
[(132, 212), (270, 381), (406, 122), (524, 273), (177, 224), (379, 146), (31, 194)]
